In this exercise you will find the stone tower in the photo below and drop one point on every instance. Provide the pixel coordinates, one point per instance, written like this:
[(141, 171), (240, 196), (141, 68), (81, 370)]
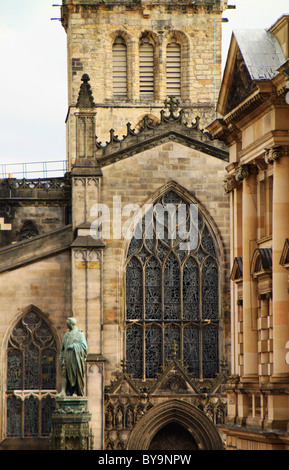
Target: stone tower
[(127, 61), (137, 54)]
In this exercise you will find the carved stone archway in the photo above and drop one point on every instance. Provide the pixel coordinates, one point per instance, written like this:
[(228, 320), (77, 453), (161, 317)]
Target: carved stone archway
[(204, 433), (171, 437)]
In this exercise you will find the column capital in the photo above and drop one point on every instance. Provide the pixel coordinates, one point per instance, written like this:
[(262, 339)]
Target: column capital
[(231, 183), (244, 170), (274, 153)]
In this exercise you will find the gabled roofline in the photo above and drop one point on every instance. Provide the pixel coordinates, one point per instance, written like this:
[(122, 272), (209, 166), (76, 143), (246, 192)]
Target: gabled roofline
[(265, 45), (151, 133)]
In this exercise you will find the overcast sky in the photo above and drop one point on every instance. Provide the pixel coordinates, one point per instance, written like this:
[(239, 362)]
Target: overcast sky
[(33, 87)]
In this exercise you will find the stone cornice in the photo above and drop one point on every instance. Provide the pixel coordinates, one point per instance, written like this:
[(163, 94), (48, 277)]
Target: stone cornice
[(254, 101), (240, 171), (227, 128), (199, 6)]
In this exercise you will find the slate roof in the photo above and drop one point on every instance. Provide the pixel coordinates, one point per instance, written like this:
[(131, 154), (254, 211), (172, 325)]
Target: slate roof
[(261, 52)]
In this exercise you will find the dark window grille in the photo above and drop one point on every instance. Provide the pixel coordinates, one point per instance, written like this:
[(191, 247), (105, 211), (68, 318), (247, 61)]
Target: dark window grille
[(172, 296), (31, 378)]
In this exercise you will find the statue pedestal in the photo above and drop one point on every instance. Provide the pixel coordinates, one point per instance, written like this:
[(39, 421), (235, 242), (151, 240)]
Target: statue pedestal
[(70, 425)]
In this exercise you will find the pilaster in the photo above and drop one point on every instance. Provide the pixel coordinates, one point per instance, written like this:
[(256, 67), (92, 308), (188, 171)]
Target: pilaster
[(87, 253), (249, 217), (280, 277)]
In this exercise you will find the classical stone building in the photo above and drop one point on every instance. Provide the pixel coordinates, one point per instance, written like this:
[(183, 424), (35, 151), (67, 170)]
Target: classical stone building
[(254, 106), (152, 298)]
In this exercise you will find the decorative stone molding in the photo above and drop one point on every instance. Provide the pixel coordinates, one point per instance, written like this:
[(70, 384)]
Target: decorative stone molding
[(230, 183), (70, 425), (128, 401), (284, 260), (86, 255), (150, 133), (237, 269), (261, 270), (273, 154), (261, 163), (31, 184), (203, 431), (79, 181), (242, 172)]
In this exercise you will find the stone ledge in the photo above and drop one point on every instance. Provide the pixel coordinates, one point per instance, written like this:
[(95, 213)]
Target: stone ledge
[(28, 251)]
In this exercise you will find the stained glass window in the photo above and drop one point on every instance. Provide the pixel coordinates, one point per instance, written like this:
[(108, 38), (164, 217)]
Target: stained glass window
[(172, 291), (31, 378)]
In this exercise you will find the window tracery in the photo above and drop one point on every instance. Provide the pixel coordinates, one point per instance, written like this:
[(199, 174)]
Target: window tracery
[(172, 296), (31, 378)]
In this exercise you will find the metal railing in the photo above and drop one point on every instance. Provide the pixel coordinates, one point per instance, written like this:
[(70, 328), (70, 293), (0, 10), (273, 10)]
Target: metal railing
[(30, 170)]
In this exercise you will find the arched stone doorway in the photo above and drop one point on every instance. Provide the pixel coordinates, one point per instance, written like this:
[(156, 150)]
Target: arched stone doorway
[(171, 437), (160, 426)]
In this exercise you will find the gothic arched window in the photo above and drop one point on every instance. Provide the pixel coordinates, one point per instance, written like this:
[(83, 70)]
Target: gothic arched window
[(119, 74), (172, 292), (173, 68), (31, 378)]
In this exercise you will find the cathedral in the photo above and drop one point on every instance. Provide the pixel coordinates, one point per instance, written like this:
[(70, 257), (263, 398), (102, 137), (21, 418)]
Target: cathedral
[(166, 240)]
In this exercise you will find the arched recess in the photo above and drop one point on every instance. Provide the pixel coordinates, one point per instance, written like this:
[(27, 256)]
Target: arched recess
[(173, 69), (178, 39), (200, 427), (119, 75), (129, 44), (28, 230), (148, 65), (160, 281), (30, 372)]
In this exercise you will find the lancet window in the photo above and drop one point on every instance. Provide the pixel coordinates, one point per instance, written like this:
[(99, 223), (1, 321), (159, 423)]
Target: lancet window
[(173, 68), (119, 53), (146, 68)]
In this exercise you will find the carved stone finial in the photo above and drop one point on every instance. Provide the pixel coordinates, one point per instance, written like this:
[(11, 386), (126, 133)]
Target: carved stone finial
[(172, 103), (85, 98), (174, 349)]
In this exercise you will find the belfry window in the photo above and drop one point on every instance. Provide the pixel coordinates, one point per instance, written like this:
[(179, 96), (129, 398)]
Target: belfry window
[(119, 53), (173, 68), (172, 296), (31, 378), (146, 68)]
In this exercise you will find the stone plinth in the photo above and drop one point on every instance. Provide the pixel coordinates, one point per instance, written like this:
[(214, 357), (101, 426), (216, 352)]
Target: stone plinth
[(70, 425)]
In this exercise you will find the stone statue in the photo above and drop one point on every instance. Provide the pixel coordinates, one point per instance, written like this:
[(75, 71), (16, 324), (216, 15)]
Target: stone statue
[(72, 360)]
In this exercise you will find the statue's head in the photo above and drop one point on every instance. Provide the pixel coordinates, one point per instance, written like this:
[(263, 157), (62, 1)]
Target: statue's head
[(71, 322)]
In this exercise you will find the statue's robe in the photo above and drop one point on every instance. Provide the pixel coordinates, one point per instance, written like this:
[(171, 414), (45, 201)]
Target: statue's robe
[(72, 358)]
